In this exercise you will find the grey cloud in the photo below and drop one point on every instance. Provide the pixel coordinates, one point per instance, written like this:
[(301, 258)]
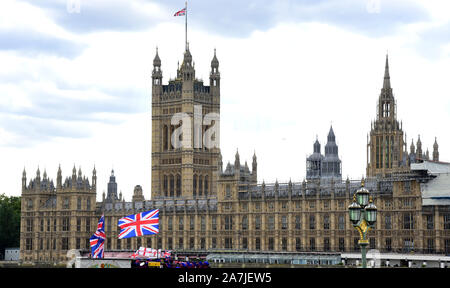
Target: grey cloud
[(97, 15), (32, 43)]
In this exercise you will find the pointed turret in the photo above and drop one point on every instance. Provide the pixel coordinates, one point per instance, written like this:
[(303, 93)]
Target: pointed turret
[(220, 163), (237, 164), (156, 73), (419, 148), (156, 60), (331, 164), (94, 179), (435, 150), (387, 78), (24, 178), (316, 146), (412, 148), (214, 62), (112, 188)]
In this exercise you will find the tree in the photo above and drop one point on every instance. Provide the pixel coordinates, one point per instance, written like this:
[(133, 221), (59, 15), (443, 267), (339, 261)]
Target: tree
[(9, 222)]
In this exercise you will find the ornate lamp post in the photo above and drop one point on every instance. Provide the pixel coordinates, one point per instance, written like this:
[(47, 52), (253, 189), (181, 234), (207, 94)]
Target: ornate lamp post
[(363, 214)]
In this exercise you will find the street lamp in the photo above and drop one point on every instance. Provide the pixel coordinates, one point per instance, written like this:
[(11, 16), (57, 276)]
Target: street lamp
[(363, 215)]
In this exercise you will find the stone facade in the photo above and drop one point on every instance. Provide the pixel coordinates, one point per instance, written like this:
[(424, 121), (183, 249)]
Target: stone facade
[(204, 207)]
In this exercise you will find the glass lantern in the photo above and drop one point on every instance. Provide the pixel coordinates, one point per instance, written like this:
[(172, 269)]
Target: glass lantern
[(371, 212), (362, 196), (354, 211)]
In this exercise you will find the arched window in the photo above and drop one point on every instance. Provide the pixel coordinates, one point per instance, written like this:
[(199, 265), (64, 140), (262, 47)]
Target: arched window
[(194, 185), (200, 186), (178, 185), (172, 182), (165, 138), (165, 185), (206, 185)]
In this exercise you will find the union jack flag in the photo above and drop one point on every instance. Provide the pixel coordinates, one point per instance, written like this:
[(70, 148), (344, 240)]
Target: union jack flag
[(97, 240), (144, 223), (182, 12)]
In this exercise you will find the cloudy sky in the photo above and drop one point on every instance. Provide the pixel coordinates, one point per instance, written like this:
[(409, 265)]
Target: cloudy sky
[(75, 83)]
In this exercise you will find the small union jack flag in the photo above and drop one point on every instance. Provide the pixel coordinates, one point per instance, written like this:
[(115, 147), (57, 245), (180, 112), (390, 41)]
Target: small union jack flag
[(97, 240), (144, 223), (182, 12)]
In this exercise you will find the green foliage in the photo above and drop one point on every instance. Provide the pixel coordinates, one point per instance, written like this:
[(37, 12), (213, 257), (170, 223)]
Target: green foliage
[(9, 222)]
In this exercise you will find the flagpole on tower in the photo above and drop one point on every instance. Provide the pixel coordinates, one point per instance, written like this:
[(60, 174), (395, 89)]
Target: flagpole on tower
[(185, 17)]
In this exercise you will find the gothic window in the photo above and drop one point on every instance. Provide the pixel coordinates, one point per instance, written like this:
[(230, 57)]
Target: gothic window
[(192, 223), (29, 225), (408, 244), (326, 244), (377, 158), (66, 203), (298, 223), (244, 222), (312, 222), (408, 221), (180, 223), (312, 244), (326, 222), (341, 222), (206, 185), (214, 223), (195, 185), (447, 221), (169, 224), (228, 222), (387, 222), (29, 244), (200, 185), (388, 245), (341, 244), (79, 203), (203, 223), (65, 224), (165, 138), (171, 185), (271, 222), (29, 204), (88, 204), (165, 185), (178, 185), (228, 191), (257, 222), (65, 243), (258, 243), (271, 243), (284, 223), (298, 244)]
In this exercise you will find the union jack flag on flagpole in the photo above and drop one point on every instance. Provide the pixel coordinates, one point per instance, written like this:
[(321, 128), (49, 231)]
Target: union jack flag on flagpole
[(97, 240), (182, 12), (144, 223)]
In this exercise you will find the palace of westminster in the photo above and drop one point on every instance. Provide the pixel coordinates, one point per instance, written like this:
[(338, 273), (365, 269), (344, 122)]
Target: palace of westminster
[(205, 206)]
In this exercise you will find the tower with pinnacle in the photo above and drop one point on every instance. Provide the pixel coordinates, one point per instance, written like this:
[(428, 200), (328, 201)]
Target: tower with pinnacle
[(185, 116), (385, 149)]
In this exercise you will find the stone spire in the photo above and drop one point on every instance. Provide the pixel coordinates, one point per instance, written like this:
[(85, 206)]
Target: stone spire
[(412, 148), (237, 164), (419, 148), (435, 150), (387, 78), (24, 178)]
